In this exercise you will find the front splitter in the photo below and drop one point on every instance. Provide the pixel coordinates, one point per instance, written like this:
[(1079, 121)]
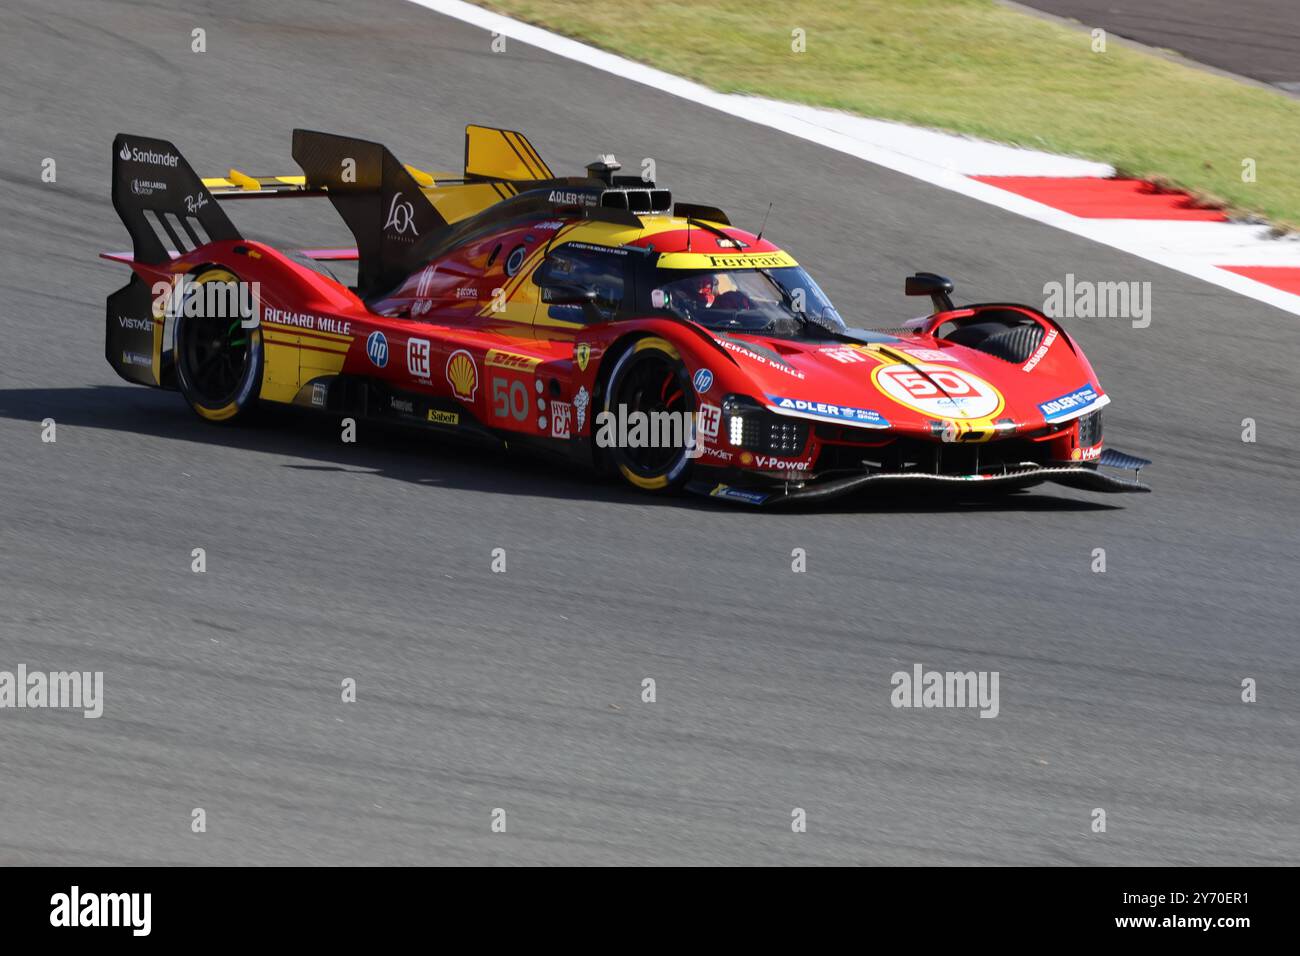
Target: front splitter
[(1087, 479)]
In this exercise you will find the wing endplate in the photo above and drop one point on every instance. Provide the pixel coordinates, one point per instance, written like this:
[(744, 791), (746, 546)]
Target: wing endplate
[(492, 153)]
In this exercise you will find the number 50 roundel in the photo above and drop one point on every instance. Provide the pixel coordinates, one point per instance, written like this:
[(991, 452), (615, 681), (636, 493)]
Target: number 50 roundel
[(939, 391)]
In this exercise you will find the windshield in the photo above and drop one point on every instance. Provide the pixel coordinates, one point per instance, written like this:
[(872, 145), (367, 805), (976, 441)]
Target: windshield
[(782, 301)]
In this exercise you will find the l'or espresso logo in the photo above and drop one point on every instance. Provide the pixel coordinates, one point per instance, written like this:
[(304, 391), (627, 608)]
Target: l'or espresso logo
[(401, 218), (77, 909)]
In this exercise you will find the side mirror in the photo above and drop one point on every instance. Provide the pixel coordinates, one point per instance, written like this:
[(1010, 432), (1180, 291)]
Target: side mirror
[(937, 287)]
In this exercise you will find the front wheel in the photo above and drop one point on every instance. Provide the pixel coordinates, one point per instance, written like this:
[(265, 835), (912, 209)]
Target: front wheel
[(218, 361), (649, 448)]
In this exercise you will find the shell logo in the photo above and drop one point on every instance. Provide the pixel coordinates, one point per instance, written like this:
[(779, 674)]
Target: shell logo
[(462, 374)]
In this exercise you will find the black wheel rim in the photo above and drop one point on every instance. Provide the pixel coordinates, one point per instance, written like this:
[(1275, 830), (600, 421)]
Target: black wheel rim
[(651, 384), (216, 353)]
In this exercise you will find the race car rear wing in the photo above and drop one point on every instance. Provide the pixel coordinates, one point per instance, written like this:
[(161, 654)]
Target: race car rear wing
[(165, 206), (161, 201), (391, 209), (376, 196)]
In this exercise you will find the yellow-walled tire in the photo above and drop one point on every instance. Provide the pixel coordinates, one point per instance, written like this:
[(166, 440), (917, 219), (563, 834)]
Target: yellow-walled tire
[(219, 363), (648, 377)]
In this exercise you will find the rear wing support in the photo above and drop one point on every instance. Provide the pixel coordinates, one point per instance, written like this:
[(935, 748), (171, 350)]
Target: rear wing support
[(378, 199)]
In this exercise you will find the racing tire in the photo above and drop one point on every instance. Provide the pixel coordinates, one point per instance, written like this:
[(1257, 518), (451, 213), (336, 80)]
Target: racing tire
[(219, 363), (649, 376)]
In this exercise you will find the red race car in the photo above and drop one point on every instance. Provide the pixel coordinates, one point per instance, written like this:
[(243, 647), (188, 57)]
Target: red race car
[(590, 316)]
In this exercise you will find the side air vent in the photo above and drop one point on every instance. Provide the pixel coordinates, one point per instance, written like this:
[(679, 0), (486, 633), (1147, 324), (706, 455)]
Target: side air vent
[(1012, 344), (1090, 429), (638, 200)]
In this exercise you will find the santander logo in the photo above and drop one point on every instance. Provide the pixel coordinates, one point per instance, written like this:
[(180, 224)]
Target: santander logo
[(129, 152)]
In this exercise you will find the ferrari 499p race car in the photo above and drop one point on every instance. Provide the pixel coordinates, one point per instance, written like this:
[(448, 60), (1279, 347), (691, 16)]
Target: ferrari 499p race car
[(590, 316)]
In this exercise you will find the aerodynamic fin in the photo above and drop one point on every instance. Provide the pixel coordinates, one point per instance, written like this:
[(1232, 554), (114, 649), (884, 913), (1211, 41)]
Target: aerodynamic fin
[(377, 197), (166, 208), (162, 202), (502, 154)]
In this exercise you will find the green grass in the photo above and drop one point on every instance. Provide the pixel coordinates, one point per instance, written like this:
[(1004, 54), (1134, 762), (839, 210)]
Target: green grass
[(974, 67)]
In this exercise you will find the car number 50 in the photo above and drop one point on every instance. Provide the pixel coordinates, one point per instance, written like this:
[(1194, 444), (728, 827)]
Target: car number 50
[(512, 403)]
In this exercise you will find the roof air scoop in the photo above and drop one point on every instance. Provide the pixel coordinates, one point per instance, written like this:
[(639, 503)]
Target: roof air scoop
[(604, 168)]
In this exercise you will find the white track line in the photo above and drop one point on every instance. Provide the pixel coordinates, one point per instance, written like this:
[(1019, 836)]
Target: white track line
[(902, 149)]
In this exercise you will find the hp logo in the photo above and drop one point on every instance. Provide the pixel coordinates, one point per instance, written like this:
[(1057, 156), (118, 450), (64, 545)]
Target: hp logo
[(377, 349)]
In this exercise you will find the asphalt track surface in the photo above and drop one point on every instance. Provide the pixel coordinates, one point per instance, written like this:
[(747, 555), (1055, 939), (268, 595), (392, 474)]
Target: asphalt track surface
[(1255, 38), (522, 691)]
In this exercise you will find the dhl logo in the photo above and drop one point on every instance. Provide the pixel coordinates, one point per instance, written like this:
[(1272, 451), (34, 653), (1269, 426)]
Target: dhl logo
[(512, 360)]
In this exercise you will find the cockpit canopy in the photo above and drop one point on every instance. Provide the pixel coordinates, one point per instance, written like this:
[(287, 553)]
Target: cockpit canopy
[(780, 301), (766, 293)]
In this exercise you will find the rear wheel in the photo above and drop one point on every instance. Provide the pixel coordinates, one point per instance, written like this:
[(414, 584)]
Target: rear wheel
[(647, 380), (218, 361)]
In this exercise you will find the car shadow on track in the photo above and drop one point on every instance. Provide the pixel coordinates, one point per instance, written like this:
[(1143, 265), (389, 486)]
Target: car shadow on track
[(408, 454)]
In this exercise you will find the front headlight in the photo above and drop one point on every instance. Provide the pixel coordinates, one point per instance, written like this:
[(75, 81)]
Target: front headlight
[(737, 430), (752, 427)]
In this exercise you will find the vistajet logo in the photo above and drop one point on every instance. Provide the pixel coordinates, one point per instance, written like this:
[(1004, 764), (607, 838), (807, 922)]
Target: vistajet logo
[(75, 908)]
